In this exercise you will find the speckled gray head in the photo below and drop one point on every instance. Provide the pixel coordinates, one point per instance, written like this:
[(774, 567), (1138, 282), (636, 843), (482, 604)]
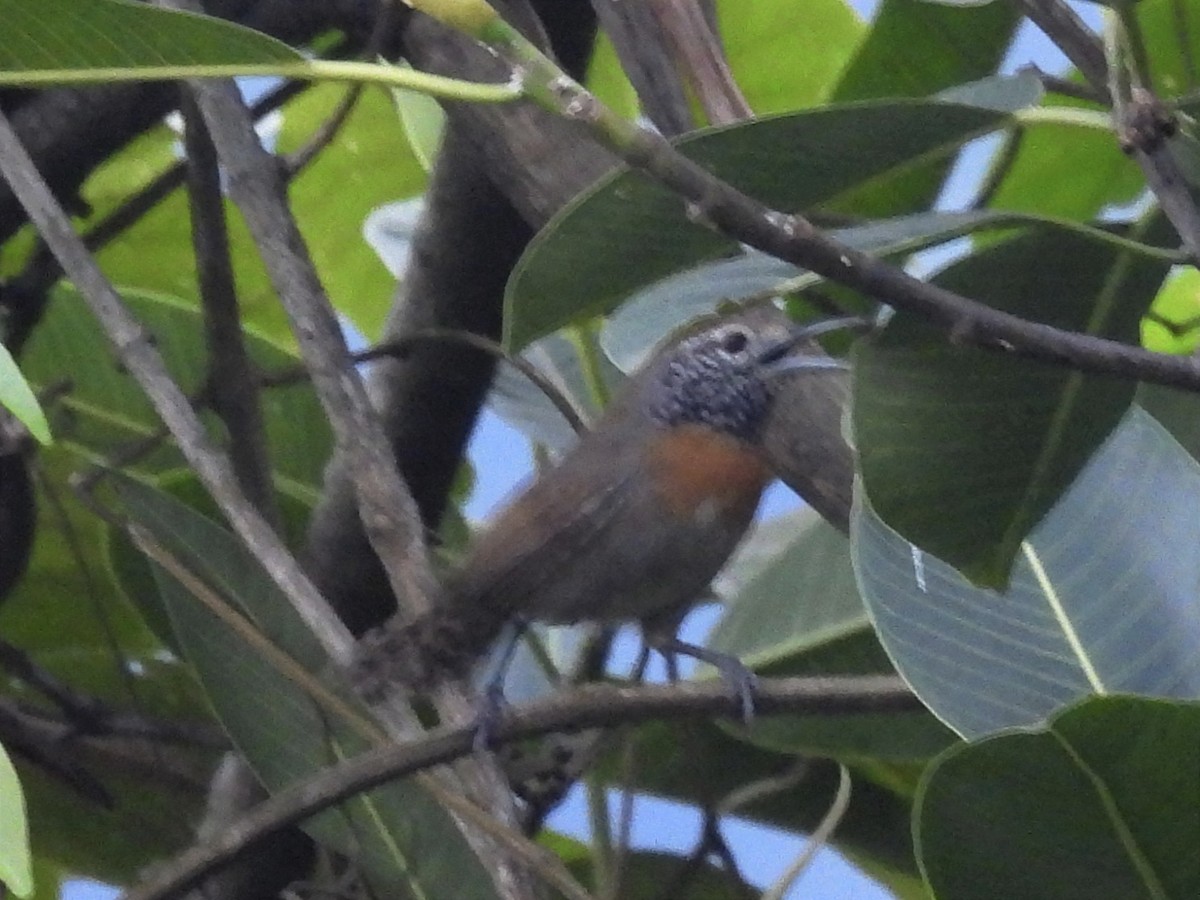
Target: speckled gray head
[(723, 377)]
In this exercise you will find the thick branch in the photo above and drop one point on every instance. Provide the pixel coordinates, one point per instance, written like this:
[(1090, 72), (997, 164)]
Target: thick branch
[(500, 173)]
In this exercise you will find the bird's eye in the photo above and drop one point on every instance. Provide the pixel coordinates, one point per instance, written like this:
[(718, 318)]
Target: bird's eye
[(735, 341)]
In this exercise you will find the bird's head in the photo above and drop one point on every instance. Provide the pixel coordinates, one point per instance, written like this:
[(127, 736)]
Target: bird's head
[(726, 376)]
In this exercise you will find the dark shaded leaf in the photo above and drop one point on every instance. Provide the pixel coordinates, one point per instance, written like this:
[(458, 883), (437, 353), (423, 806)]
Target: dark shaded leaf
[(1099, 805), (963, 450)]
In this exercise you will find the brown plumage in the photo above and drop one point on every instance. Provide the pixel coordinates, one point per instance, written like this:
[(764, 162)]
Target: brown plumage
[(632, 524)]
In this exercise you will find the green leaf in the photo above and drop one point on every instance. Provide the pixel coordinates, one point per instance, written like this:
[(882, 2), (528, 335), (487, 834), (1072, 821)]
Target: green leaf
[(905, 52), (17, 397), (16, 866), (1099, 805), (108, 410), (652, 312), (759, 40), (424, 121), (628, 232), (793, 609), (963, 450), (405, 842), (1178, 305), (76, 34), (1101, 600)]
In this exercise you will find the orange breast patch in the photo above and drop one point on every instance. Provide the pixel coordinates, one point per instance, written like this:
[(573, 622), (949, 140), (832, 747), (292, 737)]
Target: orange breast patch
[(698, 471)]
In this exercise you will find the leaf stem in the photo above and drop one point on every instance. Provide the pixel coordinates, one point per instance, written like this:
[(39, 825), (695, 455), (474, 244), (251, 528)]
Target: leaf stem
[(305, 70)]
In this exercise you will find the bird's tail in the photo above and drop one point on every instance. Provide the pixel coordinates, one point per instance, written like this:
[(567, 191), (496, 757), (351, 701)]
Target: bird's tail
[(423, 653)]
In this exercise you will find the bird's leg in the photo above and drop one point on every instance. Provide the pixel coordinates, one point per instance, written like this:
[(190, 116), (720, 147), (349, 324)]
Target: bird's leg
[(491, 698), (732, 670)]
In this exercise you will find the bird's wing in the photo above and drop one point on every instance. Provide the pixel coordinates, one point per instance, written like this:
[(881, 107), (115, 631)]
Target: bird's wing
[(538, 542)]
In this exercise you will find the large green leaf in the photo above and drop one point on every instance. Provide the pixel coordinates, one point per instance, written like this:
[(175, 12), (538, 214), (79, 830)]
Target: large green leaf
[(405, 841), (793, 609), (963, 450), (107, 409), (1099, 805), (16, 868), (1102, 599), (760, 44), (368, 164), (653, 311), (628, 231), (916, 48), (76, 34)]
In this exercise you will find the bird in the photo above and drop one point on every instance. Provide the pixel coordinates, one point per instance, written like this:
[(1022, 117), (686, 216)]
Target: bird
[(634, 522)]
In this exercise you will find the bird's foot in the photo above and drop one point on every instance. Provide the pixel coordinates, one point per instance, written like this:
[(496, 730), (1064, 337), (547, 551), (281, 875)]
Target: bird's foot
[(491, 699), (737, 677), (488, 713)]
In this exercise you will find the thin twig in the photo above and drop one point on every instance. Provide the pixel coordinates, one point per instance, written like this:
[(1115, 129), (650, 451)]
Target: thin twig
[(400, 346), (295, 162), (1065, 87), (818, 839), (711, 843), (43, 747), (81, 709), (586, 707)]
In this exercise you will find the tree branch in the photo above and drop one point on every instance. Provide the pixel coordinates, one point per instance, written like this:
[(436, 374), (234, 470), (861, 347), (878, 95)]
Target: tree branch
[(1061, 24), (586, 707), (796, 240), (638, 38), (136, 351), (230, 384), (385, 506)]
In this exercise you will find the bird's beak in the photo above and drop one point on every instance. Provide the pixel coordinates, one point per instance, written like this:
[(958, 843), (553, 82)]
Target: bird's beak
[(778, 357)]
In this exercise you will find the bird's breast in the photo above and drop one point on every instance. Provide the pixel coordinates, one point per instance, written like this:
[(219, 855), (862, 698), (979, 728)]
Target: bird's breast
[(703, 476)]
